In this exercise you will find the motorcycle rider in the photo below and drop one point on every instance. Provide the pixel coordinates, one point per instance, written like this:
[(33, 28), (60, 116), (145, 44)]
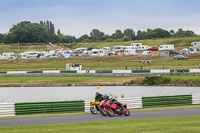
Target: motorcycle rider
[(98, 97), (114, 101)]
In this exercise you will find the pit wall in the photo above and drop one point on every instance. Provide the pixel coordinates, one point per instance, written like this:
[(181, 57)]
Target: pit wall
[(13, 109)]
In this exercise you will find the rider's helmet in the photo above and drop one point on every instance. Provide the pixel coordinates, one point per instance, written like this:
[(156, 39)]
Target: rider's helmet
[(105, 96), (97, 93), (110, 97)]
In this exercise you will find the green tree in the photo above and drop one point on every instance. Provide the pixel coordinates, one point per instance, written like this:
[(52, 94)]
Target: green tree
[(129, 34), (172, 32), (84, 38), (27, 32), (96, 35), (141, 35), (50, 29), (117, 35), (2, 38)]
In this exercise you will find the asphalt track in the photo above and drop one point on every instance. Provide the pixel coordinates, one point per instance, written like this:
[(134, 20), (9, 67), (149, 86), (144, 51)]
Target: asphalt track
[(83, 118)]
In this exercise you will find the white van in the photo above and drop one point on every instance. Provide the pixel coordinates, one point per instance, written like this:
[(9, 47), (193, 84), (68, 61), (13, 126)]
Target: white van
[(145, 53), (166, 47)]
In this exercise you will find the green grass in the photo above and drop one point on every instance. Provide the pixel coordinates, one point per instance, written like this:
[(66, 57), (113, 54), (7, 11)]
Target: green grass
[(185, 80), (63, 81), (90, 80), (166, 125), (99, 63), (179, 42)]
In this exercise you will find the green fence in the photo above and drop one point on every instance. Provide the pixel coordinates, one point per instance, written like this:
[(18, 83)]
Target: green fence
[(49, 107), (103, 71), (34, 72), (68, 71), (140, 71), (179, 70), (167, 101), (3, 72)]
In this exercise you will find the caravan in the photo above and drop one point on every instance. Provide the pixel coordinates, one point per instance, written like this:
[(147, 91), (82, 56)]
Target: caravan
[(128, 52), (119, 48), (166, 47), (140, 46), (195, 45)]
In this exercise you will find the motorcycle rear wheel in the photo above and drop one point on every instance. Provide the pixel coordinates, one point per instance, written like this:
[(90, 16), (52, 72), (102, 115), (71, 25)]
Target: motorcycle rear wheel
[(110, 112)]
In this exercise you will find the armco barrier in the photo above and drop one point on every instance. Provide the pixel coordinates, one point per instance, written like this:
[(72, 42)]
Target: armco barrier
[(3, 72), (194, 70), (160, 71), (49, 107), (167, 101), (103, 71), (68, 71), (179, 70), (122, 71), (34, 71), (140, 71), (7, 109), (196, 98)]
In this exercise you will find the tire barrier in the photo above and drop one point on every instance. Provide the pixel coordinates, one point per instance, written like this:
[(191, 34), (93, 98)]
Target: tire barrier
[(7, 109), (11, 109), (49, 107), (161, 101)]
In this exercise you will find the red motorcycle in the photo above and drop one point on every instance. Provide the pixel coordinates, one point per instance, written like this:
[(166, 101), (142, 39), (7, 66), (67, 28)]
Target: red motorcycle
[(114, 107)]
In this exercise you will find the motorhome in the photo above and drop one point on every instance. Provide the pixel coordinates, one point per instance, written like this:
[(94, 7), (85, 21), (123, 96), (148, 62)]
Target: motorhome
[(32, 54), (128, 52), (136, 44), (166, 47), (119, 48), (130, 47), (106, 48), (140, 46), (98, 52)]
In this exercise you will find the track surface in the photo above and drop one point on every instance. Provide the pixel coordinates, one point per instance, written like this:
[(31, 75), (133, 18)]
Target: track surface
[(81, 118)]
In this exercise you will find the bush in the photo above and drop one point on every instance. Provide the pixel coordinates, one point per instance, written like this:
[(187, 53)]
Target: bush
[(156, 80)]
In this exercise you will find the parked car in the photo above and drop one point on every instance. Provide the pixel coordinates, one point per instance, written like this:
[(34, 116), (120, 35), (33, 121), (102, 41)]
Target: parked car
[(153, 49), (173, 52), (180, 57)]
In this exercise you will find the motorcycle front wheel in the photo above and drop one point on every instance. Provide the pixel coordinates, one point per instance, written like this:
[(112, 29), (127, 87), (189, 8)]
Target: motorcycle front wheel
[(126, 112), (93, 110)]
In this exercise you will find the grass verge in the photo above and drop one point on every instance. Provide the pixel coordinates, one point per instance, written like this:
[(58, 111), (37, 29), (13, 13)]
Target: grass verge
[(181, 125), (17, 81)]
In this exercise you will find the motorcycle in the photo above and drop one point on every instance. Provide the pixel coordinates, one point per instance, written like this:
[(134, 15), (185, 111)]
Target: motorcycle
[(112, 107), (96, 106)]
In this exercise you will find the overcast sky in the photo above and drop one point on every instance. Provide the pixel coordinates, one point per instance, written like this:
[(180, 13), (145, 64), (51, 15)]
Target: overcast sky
[(77, 17)]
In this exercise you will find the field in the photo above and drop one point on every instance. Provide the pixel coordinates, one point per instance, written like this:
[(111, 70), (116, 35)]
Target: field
[(64, 81), (166, 125), (179, 43), (99, 63)]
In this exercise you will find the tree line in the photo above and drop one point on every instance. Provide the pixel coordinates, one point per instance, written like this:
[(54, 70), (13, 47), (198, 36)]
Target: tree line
[(44, 32)]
